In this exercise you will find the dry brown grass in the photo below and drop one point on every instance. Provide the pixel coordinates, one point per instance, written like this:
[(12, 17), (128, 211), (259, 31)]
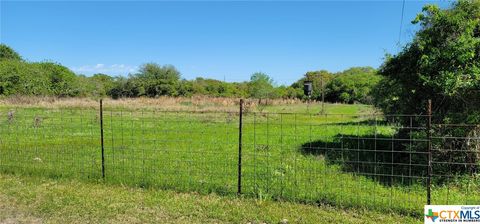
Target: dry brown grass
[(195, 103)]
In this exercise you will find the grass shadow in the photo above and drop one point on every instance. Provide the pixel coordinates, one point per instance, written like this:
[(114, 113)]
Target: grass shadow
[(386, 159)]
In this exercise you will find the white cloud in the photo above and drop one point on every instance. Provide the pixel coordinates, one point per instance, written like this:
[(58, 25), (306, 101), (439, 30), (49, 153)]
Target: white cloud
[(115, 69)]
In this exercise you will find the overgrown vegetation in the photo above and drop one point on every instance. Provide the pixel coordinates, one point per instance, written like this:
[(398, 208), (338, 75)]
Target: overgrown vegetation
[(19, 77), (442, 63)]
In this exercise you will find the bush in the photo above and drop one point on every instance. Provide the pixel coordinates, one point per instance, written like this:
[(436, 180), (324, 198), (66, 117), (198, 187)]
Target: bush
[(22, 78), (442, 63)]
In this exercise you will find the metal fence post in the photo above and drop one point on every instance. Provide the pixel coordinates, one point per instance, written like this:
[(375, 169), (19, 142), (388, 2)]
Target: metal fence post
[(101, 138), (240, 127), (429, 138)]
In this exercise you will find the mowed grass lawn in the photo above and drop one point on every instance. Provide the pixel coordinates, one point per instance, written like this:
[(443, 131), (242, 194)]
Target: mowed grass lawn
[(198, 152), (44, 200)]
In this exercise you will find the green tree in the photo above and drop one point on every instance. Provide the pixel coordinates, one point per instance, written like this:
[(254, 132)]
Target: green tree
[(63, 82), (7, 53), (442, 63), (126, 87), (352, 85), (260, 86), (103, 84), (159, 80), (20, 78), (319, 80)]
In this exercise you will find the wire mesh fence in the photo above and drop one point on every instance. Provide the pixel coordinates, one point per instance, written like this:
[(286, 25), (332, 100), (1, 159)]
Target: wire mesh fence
[(53, 142), (386, 162), (172, 149), (336, 159)]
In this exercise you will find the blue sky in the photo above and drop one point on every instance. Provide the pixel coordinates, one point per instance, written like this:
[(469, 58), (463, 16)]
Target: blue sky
[(220, 39)]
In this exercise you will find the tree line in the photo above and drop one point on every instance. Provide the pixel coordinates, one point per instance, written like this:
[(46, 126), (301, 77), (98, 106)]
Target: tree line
[(20, 77)]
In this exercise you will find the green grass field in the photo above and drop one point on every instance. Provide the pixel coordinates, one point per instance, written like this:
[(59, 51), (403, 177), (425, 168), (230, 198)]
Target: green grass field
[(187, 151), (45, 200)]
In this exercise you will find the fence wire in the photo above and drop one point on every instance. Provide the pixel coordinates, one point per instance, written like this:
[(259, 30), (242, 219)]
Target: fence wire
[(386, 162)]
